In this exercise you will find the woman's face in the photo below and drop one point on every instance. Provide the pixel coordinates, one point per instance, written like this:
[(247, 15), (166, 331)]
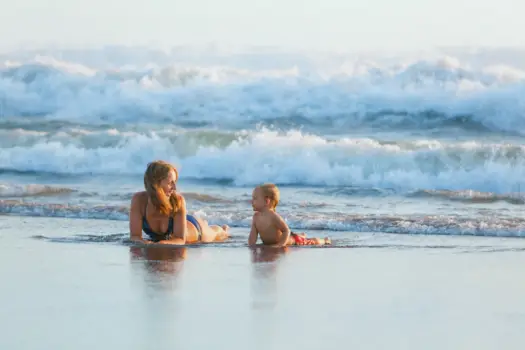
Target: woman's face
[(168, 184)]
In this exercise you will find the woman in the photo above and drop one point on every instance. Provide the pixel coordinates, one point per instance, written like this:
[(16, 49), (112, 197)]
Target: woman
[(161, 212)]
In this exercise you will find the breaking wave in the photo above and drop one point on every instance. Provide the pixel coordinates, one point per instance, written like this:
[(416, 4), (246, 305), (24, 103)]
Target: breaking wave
[(422, 94), (287, 158)]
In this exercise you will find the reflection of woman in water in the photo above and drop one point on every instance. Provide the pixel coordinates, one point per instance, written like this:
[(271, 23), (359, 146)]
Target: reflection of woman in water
[(161, 212), (160, 259), (160, 267)]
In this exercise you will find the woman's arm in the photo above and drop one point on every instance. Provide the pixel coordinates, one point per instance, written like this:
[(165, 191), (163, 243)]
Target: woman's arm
[(135, 219), (180, 227)]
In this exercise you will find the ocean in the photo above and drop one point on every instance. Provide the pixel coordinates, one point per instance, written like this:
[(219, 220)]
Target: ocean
[(413, 164), (430, 145)]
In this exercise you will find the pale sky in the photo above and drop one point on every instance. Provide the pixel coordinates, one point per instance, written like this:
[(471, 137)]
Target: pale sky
[(313, 24)]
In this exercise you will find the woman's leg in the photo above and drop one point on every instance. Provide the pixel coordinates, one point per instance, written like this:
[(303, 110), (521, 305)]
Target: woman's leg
[(213, 233), (221, 232)]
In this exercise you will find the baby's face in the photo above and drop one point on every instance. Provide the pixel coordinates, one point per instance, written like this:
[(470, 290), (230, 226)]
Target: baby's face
[(258, 200)]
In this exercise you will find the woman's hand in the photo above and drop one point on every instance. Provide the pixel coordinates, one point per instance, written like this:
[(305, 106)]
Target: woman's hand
[(174, 241)]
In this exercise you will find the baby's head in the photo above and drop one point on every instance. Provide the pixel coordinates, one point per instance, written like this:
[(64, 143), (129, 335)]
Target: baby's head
[(265, 196)]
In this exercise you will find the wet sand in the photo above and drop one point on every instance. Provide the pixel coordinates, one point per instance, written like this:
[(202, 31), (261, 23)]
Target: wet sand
[(73, 284)]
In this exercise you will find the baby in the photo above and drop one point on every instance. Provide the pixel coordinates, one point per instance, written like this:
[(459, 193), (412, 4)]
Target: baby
[(270, 225)]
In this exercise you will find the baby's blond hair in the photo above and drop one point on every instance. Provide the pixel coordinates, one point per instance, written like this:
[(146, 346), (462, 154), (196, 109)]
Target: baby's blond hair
[(271, 191)]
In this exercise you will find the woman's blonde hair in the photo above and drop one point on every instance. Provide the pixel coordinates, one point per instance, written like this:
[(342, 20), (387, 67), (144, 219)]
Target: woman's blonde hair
[(271, 191), (155, 173)]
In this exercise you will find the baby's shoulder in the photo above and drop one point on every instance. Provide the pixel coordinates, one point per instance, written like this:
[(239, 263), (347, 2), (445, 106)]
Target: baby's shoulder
[(257, 216), (268, 216), (275, 215)]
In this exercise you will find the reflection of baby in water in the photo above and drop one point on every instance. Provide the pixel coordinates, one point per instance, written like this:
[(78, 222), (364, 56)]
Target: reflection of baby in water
[(267, 254), (264, 282), (165, 260)]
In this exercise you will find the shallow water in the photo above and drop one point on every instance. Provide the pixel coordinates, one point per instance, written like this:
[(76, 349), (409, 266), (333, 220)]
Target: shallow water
[(63, 291), (419, 145)]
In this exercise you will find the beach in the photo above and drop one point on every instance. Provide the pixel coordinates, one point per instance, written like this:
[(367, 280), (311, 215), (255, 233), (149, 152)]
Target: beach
[(74, 283), (413, 165)]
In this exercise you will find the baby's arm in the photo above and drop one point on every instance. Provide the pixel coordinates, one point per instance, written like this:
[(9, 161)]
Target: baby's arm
[(283, 227), (252, 239)]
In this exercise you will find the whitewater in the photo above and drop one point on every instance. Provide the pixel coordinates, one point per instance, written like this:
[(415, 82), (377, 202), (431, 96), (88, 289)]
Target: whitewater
[(411, 145)]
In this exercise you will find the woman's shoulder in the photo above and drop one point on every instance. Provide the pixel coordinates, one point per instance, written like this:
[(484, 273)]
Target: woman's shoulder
[(182, 202), (139, 197)]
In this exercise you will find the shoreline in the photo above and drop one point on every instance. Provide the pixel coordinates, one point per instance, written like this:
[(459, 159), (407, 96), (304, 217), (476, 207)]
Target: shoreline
[(86, 230)]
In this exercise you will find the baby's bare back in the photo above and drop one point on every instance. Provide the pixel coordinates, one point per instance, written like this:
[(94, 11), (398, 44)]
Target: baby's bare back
[(266, 225)]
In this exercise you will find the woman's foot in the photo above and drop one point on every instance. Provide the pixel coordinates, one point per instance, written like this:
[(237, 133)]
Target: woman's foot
[(222, 233)]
